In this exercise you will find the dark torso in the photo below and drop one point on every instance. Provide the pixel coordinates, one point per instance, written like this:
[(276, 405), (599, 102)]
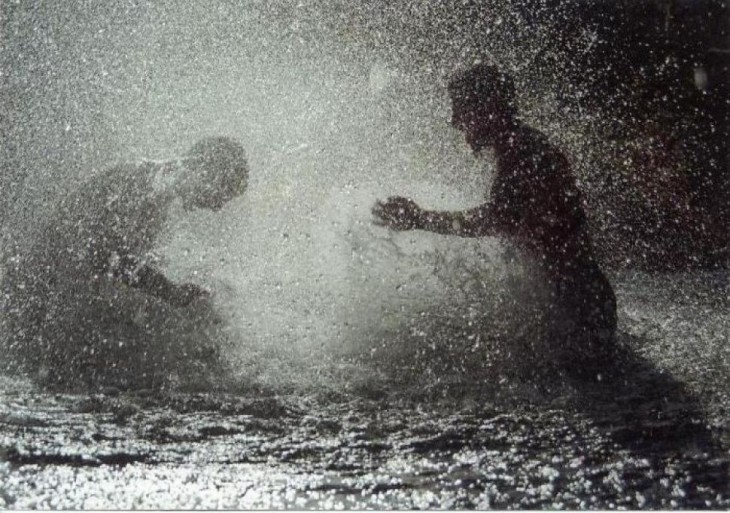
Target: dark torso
[(540, 205), (111, 214), (121, 214), (541, 211)]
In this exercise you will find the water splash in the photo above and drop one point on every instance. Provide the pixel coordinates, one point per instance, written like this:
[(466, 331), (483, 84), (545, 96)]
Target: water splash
[(337, 104)]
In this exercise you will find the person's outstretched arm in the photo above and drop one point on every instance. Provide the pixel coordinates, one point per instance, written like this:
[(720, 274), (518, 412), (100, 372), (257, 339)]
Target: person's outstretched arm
[(402, 214), (129, 271)]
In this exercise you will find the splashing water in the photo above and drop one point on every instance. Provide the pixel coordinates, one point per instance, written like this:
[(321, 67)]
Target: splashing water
[(335, 111), (341, 364)]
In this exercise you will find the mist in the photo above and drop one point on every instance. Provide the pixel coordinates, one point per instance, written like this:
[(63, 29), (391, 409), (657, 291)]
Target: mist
[(337, 104), (329, 125)]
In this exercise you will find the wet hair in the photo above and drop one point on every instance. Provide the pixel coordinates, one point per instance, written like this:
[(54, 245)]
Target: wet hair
[(482, 83), (220, 161)]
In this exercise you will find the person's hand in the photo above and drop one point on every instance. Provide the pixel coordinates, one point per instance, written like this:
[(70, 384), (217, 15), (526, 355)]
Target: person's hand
[(187, 293), (397, 213)]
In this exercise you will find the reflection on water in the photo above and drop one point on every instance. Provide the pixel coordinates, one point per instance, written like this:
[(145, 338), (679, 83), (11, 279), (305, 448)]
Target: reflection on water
[(655, 436)]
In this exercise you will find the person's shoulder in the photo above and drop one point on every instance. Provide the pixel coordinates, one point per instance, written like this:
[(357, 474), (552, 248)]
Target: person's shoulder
[(117, 184), (532, 138), (124, 171), (540, 143), (122, 176)]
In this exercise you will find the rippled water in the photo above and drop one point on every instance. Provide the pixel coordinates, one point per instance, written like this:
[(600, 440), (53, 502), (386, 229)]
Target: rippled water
[(654, 435)]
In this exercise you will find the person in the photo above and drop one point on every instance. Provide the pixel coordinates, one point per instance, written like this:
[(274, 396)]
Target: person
[(85, 301), (534, 204)]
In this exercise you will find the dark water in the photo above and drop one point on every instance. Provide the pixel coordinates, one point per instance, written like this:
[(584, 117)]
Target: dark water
[(202, 451), (652, 435)]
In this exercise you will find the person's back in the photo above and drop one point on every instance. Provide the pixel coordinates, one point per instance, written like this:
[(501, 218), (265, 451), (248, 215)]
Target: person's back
[(543, 213), (84, 300), (539, 202), (53, 283)]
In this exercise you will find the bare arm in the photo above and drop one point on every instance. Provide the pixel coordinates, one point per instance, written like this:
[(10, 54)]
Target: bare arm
[(402, 214), (144, 277)]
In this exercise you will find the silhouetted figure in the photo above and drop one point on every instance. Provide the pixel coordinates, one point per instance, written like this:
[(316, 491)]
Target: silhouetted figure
[(79, 296), (535, 204)]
